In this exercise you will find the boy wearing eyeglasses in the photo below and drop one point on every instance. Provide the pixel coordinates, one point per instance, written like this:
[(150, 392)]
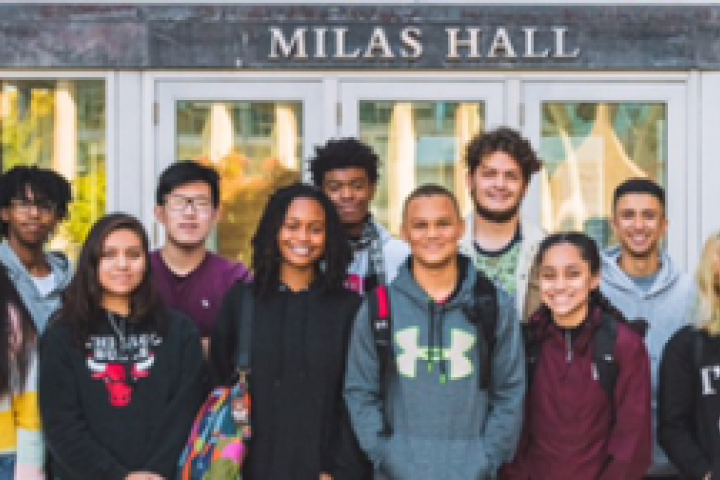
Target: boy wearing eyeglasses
[(33, 202), (189, 278)]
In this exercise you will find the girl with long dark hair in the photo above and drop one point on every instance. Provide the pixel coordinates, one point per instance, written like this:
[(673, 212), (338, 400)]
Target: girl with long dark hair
[(21, 442), (584, 419), (300, 323), (121, 378)]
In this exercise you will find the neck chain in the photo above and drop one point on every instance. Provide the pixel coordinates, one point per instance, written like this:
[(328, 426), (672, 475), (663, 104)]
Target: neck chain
[(121, 333)]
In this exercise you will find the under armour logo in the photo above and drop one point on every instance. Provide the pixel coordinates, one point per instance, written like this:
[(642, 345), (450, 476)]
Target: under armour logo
[(461, 343)]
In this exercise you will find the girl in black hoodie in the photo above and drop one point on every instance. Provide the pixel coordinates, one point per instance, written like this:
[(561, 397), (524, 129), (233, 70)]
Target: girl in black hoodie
[(120, 378), (301, 320), (689, 391)]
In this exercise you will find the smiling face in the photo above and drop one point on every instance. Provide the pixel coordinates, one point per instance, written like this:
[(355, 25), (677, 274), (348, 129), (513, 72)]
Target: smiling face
[(188, 215), (351, 192), (432, 226), (497, 187), (31, 220), (565, 284), (122, 265), (639, 224), (302, 236)]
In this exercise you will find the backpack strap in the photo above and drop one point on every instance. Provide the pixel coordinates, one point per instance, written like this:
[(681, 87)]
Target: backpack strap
[(244, 330), (380, 324), (484, 315), (606, 366)]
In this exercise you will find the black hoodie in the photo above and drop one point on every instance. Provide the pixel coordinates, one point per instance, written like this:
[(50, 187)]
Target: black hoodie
[(298, 351), (689, 403), (107, 410)]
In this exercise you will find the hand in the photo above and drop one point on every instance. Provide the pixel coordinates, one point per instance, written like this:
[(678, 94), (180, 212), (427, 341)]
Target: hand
[(707, 477), (325, 476), (144, 476)]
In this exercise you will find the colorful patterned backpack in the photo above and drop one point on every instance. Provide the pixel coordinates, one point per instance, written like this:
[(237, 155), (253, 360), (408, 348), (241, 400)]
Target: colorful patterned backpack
[(218, 440)]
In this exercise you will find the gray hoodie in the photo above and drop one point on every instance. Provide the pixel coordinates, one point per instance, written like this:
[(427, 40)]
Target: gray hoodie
[(667, 306), (40, 307), (444, 426)]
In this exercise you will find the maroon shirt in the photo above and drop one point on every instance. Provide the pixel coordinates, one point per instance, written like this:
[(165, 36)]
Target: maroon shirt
[(568, 432), (199, 294)]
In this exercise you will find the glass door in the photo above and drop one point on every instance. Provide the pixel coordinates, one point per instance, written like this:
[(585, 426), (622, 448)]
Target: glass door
[(255, 134), (594, 136), (419, 130)]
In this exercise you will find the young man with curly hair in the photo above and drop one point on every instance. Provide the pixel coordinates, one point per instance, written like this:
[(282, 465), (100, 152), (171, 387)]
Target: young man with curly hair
[(347, 171), (500, 165), (33, 202)]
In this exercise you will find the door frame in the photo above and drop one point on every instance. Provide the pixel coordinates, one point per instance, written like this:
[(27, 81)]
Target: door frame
[(169, 92), (678, 199)]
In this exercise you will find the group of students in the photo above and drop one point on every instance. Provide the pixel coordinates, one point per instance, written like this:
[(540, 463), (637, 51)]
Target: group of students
[(474, 348)]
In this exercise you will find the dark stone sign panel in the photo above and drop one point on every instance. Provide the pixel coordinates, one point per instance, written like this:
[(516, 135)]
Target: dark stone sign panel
[(462, 37)]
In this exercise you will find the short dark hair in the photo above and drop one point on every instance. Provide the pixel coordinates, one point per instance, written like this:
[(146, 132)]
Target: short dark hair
[(44, 184), (639, 185), (184, 172), (344, 153), (431, 190), (266, 256), (507, 140)]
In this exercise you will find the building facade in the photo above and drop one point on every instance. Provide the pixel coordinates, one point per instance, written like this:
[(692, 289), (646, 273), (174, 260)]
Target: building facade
[(110, 94)]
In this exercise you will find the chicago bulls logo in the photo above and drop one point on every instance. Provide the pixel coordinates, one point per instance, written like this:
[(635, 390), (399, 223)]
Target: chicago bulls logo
[(115, 377)]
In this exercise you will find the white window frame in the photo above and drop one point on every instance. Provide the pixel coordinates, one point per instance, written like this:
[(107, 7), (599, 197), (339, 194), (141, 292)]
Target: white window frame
[(681, 167)]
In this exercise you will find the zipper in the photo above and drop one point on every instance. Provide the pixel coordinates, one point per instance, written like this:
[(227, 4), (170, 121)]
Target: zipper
[(431, 338), (568, 343)]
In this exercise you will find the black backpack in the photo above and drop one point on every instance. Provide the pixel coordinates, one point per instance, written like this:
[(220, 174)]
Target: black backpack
[(481, 312), (606, 368)]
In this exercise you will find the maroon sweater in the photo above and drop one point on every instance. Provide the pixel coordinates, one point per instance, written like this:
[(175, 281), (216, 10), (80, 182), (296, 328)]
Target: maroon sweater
[(200, 293), (568, 432)]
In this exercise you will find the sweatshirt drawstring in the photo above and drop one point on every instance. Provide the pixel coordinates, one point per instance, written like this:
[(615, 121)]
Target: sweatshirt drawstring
[(303, 333), (431, 337), (568, 343)]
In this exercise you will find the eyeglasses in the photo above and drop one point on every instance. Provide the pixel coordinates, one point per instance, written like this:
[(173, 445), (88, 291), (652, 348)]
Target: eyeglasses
[(25, 206), (178, 203)]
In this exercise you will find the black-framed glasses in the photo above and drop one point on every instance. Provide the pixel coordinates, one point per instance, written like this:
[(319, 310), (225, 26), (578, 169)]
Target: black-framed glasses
[(25, 206), (178, 203)]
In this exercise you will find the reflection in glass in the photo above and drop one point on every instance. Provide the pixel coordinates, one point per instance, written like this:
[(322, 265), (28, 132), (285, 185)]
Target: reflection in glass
[(59, 124), (255, 146), (588, 150), (418, 142)]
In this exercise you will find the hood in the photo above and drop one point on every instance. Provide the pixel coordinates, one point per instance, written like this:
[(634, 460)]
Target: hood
[(405, 282), (385, 236), (668, 275), (59, 264)]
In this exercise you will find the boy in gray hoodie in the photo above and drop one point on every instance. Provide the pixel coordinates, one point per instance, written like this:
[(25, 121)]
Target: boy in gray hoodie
[(640, 279), (443, 424), (33, 201)]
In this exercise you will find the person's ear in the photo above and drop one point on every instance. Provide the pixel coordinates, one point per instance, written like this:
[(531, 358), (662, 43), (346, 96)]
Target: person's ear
[(160, 214)]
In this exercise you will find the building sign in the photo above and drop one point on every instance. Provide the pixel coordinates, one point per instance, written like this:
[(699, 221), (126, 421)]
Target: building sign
[(462, 43), (429, 37)]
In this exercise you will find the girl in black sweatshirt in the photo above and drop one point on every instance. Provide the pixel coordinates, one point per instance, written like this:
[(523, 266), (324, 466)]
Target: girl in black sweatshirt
[(300, 329), (120, 378), (689, 391)]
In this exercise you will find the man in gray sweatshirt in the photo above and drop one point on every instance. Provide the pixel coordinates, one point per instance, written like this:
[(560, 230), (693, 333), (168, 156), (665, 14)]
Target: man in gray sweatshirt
[(33, 201), (640, 279), (444, 424)]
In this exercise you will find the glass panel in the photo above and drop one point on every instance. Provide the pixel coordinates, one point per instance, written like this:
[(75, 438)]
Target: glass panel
[(588, 150), (418, 142), (256, 146), (59, 124)]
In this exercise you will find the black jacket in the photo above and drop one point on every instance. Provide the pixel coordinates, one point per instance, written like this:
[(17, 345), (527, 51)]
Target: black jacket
[(107, 410), (298, 350), (689, 403)]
